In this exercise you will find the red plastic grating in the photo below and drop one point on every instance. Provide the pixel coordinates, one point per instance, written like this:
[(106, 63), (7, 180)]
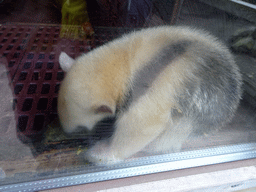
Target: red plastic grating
[(12, 43), (32, 54)]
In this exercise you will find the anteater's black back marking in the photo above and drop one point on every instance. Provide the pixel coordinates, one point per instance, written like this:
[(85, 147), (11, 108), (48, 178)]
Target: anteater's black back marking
[(145, 77)]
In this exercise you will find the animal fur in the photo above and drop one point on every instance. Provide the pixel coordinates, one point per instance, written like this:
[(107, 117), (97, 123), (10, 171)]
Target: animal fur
[(162, 84)]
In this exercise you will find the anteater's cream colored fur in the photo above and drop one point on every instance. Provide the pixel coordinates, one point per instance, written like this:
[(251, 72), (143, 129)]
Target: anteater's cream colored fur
[(195, 90)]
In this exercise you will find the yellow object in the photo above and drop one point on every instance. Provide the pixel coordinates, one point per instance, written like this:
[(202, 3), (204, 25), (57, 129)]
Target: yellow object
[(74, 12), (80, 150), (74, 15)]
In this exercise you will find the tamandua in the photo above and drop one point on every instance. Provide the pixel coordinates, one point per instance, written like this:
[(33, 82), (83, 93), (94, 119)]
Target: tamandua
[(162, 84)]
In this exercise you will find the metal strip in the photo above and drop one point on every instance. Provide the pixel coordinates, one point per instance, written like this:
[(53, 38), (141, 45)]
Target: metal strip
[(244, 3), (142, 166)]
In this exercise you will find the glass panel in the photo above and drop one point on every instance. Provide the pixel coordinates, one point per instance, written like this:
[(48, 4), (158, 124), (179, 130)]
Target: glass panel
[(145, 104)]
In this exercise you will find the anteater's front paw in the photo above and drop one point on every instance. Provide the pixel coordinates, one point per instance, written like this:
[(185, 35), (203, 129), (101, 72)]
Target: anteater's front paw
[(101, 154)]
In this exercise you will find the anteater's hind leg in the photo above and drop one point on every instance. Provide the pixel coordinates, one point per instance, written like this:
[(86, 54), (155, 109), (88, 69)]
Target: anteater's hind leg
[(172, 138)]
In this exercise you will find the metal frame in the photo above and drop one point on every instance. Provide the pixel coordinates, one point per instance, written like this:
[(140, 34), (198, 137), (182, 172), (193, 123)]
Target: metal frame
[(143, 166)]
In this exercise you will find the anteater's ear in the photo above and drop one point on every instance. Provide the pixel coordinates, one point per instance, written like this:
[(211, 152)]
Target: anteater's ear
[(103, 109), (65, 62)]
